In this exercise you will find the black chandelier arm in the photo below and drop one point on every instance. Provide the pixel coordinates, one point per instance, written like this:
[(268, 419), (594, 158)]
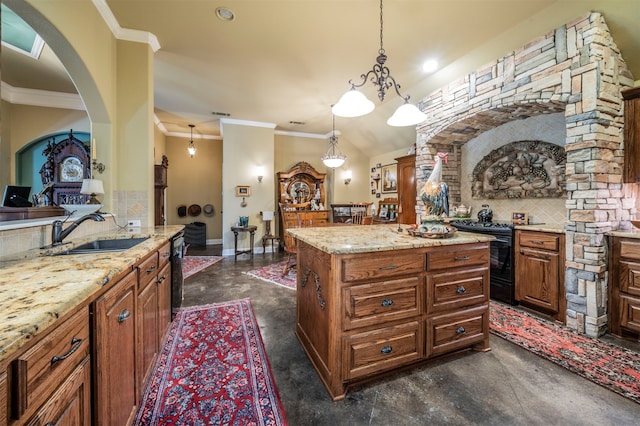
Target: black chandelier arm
[(382, 78)]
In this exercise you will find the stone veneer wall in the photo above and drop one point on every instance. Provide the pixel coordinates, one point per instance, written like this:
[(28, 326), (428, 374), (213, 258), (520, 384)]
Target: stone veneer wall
[(579, 71)]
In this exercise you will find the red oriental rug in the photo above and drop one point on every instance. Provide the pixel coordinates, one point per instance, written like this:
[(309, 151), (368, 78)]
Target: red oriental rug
[(193, 264), (212, 370), (613, 367), (273, 274)]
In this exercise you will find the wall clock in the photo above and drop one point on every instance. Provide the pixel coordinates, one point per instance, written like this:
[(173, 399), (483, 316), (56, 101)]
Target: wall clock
[(71, 170)]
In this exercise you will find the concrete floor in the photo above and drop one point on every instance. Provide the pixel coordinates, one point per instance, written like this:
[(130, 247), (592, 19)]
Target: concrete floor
[(505, 386)]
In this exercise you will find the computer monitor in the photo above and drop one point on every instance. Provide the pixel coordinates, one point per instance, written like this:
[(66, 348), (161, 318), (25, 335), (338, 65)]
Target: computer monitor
[(16, 196)]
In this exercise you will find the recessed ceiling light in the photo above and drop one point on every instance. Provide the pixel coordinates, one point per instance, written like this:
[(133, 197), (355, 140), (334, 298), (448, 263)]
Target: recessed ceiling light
[(221, 114), (430, 65), (225, 14), (296, 122)]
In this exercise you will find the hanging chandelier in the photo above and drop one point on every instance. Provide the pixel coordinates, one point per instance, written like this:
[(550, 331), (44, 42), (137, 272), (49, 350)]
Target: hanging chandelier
[(191, 148), (356, 104), (333, 158)]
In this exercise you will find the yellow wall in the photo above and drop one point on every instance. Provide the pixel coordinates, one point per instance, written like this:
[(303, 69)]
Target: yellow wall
[(24, 123), (196, 180), (244, 148)]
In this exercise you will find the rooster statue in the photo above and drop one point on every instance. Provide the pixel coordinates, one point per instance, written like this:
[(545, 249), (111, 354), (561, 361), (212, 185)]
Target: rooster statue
[(435, 193)]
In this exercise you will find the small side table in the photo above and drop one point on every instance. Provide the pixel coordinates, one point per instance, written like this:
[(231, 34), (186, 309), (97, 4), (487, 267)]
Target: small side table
[(252, 231)]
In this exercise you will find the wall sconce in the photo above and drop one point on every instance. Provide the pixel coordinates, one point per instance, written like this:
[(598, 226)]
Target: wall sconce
[(348, 174), (95, 165), (260, 172)]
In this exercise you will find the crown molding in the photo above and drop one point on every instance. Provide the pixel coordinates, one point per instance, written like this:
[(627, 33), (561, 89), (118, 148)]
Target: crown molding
[(42, 98), (125, 33)]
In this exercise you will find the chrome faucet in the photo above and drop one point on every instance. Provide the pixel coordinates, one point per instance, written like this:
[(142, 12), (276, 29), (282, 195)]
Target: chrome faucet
[(58, 234)]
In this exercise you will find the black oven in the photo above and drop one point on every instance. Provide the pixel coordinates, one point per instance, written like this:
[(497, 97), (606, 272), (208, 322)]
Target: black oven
[(502, 271)]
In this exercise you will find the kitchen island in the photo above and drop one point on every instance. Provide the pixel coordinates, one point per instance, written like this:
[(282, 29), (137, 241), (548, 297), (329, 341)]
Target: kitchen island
[(371, 300)]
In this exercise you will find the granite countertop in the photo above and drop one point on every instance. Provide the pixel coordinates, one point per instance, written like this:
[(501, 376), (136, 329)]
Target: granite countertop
[(632, 232), (368, 238), (558, 229), (37, 288)]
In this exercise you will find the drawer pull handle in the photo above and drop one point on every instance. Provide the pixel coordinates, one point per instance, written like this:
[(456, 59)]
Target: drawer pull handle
[(460, 330), (387, 302), (537, 242), (160, 279), (387, 268), (165, 255), (75, 345), (461, 290), (386, 350), (124, 315), (461, 258), (150, 270)]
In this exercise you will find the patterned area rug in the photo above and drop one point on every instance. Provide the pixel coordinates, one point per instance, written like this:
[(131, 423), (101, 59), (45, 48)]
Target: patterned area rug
[(212, 370), (193, 264), (613, 367), (273, 274)]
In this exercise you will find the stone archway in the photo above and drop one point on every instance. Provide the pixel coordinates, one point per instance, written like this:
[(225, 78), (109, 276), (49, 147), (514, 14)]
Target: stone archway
[(578, 70)]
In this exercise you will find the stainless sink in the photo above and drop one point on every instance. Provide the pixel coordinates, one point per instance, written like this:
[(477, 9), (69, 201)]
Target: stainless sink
[(104, 246)]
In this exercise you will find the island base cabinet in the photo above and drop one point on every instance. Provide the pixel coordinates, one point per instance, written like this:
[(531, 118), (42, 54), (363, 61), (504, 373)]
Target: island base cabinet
[(371, 313), (114, 354)]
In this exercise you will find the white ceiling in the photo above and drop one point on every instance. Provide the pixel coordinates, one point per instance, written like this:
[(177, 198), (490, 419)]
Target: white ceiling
[(290, 60)]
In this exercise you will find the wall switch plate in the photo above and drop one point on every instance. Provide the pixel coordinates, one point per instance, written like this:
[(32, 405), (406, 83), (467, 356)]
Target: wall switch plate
[(133, 224)]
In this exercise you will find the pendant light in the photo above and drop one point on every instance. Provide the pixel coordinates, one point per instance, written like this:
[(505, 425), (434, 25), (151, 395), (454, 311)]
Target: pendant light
[(191, 148), (333, 158), (356, 104)]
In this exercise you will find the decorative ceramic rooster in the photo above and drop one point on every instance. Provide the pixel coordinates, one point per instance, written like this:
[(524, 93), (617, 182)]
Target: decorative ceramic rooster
[(435, 193)]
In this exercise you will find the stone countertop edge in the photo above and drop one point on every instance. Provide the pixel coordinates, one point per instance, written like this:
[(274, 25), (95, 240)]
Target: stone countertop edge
[(627, 233), (557, 229), (374, 238), (37, 288)]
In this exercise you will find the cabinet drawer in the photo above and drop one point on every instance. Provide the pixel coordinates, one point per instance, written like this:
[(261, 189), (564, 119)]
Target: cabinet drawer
[(383, 266), (453, 290), (40, 370), (447, 333), (454, 257), (539, 240), (370, 304), (630, 278), (630, 313), (147, 270), (630, 249), (382, 349), (164, 255)]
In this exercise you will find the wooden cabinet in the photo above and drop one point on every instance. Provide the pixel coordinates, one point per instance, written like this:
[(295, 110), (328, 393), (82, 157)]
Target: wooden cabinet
[(159, 186), (407, 191), (539, 262), (631, 172), (373, 312), (114, 352), (3, 398), (51, 380), (153, 311), (624, 287)]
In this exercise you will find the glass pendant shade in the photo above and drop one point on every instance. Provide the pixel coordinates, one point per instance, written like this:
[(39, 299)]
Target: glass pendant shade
[(333, 161), (352, 104), (406, 115), (191, 149)]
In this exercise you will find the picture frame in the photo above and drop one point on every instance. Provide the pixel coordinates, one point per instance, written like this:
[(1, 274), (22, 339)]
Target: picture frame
[(389, 178), (519, 218), (243, 191), (383, 212)]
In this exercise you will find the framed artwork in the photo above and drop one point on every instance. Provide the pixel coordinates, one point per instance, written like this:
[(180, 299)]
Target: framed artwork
[(373, 191), (389, 178), (383, 212), (519, 218), (243, 191)]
